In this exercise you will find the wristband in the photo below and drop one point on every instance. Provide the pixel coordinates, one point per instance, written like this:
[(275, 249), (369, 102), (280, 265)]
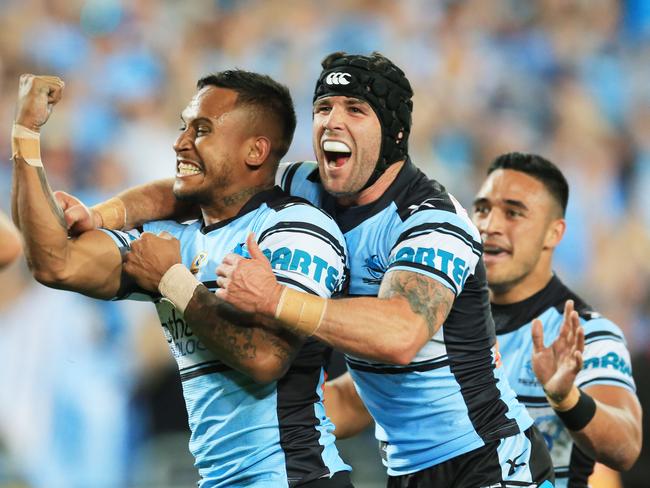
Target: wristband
[(112, 212), (178, 285), (303, 312), (577, 417), (26, 145)]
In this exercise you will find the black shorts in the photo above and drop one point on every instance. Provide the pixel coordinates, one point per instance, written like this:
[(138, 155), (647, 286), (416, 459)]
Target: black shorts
[(339, 480), (518, 461)]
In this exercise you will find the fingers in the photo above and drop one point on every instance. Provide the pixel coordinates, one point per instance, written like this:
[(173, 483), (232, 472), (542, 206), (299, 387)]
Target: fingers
[(580, 342), (253, 249), (538, 336)]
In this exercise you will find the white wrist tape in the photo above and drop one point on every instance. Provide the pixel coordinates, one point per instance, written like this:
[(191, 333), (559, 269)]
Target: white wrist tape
[(26, 144), (178, 285)]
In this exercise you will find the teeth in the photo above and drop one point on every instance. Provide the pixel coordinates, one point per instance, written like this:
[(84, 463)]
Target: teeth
[(188, 169), (336, 146)]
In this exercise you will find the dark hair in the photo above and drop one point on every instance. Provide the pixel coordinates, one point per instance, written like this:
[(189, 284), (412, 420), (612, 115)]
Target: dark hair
[(262, 92), (539, 168)]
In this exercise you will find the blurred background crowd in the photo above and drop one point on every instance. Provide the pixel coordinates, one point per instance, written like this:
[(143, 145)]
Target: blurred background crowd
[(88, 392)]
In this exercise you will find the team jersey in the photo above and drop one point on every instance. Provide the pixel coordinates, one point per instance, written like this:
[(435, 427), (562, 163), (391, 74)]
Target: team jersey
[(244, 433), (606, 362), (451, 399)]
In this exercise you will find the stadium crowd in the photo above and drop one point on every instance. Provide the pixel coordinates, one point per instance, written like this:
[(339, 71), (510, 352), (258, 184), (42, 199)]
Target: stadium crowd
[(566, 79)]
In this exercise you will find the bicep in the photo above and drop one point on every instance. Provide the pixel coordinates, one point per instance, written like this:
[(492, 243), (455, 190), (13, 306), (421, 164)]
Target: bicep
[(427, 297), (94, 265)]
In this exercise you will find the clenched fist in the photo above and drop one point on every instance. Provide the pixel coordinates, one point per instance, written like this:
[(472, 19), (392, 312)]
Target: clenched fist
[(36, 97)]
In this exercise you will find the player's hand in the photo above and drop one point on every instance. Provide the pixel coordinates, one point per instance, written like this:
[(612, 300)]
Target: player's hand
[(557, 366), (150, 258), (78, 217), (36, 97), (249, 284)]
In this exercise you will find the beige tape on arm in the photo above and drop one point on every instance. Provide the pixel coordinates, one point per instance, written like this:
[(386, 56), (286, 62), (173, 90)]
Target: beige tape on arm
[(26, 145), (302, 311), (178, 285), (112, 213)]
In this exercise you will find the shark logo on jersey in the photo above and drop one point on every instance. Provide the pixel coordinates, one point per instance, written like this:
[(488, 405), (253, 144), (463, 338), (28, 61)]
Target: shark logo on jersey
[(303, 262), (528, 378), (198, 261), (375, 269)]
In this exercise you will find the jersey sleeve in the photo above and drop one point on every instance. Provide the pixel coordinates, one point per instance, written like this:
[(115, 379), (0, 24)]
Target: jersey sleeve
[(439, 244), (298, 180), (306, 250), (606, 357)]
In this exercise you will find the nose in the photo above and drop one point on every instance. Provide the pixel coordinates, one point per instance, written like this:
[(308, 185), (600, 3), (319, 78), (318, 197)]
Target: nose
[(182, 142), (334, 119), (490, 223)]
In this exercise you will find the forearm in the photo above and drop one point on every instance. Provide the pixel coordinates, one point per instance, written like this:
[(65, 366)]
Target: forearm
[(344, 407), (379, 329), (614, 435), (144, 203), (40, 219), (259, 353)]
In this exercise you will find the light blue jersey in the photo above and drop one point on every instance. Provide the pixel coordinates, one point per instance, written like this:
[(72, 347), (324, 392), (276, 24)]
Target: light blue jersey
[(245, 434), (606, 362), (452, 398)]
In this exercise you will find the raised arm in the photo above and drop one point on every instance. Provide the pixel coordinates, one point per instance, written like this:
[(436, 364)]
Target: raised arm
[(11, 243), (604, 420), (90, 264)]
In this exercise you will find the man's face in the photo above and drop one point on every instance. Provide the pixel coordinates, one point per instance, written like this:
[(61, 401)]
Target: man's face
[(514, 213), (208, 148), (347, 141)]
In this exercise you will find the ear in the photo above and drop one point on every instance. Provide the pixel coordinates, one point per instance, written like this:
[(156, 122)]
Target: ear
[(259, 148), (554, 233)]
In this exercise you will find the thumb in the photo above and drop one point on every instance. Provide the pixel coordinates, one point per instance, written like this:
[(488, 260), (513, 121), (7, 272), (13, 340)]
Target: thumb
[(253, 249), (538, 336)]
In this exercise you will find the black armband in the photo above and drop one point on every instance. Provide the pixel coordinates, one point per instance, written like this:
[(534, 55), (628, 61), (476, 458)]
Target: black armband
[(580, 415)]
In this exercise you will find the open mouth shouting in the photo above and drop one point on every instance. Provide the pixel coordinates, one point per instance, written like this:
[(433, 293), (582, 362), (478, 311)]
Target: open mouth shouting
[(336, 153), (187, 167)]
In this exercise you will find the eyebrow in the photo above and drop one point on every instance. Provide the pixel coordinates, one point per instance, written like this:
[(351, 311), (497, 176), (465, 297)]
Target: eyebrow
[(196, 120), (509, 202)]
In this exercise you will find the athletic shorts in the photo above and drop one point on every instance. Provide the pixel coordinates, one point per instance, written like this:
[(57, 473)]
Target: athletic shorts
[(521, 460), (339, 480)]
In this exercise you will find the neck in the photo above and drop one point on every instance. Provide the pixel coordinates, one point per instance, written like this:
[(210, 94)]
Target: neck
[(227, 206), (526, 288), (374, 191)]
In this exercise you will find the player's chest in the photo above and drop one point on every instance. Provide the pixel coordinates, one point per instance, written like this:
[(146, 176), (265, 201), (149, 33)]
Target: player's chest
[(368, 256)]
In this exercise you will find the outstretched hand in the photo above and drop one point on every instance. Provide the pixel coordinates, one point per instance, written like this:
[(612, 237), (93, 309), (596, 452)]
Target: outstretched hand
[(249, 284), (150, 257), (78, 217), (557, 366)]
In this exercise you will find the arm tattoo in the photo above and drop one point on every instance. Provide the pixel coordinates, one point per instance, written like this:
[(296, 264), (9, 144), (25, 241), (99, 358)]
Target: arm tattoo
[(228, 333), (47, 191), (427, 297)]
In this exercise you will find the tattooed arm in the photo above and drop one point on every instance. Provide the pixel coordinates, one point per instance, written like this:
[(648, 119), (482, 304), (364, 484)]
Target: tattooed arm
[(263, 355), (393, 327), (90, 264)]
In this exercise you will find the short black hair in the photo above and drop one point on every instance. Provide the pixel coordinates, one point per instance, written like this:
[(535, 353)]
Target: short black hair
[(539, 168), (263, 92)]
